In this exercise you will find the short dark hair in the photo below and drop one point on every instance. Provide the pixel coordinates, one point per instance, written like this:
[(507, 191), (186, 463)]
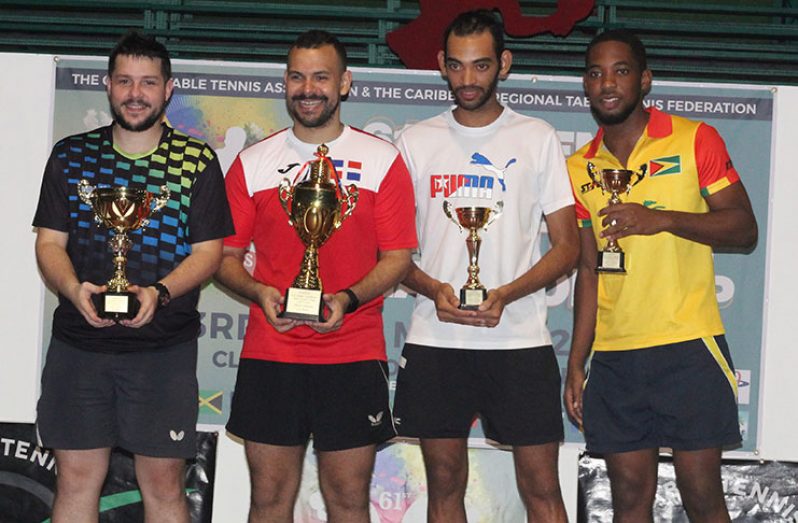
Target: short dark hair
[(476, 22), (316, 38), (625, 37), (134, 43)]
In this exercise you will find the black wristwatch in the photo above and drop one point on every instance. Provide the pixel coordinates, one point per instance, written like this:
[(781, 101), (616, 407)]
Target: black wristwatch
[(354, 303), (163, 294)]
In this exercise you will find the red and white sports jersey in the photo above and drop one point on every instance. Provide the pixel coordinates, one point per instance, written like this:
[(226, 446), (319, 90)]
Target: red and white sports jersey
[(382, 220)]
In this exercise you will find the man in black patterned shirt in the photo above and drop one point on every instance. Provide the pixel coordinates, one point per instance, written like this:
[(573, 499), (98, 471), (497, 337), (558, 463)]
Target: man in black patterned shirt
[(130, 383)]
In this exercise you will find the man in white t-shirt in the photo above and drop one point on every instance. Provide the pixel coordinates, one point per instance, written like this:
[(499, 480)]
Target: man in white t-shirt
[(495, 361)]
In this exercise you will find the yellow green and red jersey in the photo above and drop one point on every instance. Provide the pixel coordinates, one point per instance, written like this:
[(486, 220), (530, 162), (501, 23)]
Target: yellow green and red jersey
[(668, 292)]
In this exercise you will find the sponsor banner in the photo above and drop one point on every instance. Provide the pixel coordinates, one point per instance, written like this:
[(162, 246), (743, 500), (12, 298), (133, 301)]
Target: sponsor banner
[(232, 106), (28, 476), (755, 491)]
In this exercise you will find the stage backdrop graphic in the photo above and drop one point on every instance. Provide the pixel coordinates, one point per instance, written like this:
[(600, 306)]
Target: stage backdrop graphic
[(233, 105)]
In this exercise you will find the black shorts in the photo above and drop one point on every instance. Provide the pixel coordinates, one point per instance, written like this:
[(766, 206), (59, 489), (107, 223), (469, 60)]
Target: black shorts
[(145, 402), (344, 406), (681, 396), (440, 392)]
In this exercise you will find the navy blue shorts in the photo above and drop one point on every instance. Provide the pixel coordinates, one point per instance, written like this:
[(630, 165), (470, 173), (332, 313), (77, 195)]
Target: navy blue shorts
[(344, 406), (682, 396), (516, 393)]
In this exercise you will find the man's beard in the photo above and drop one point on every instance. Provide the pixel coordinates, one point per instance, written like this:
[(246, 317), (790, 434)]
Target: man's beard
[(319, 121), (617, 118), (479, 102), (144, 125)]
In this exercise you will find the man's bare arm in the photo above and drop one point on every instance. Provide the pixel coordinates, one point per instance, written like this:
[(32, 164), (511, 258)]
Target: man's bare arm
[(730, 221), (390, 269), (558, 260), (235, 277), (585, 308), (190, 273), (59, 273)]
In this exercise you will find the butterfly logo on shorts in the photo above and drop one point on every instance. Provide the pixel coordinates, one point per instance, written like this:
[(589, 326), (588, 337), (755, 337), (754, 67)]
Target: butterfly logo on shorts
[(376, 420), (176, 436)]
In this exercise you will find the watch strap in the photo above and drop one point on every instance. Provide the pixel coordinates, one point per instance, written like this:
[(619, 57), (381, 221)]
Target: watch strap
[(354, 302), (163, 294)]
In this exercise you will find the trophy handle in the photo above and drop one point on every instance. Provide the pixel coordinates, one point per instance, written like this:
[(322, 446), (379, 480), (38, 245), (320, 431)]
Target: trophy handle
[(85, 191), (162, 199), (286, 194), (350, 197), (591, 171), (494, 214), (640, 175), (447, 210)]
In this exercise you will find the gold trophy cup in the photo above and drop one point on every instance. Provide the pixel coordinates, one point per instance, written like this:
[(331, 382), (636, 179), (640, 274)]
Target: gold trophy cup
[(122, 209), (473, 293), (316, 208), (614, 181)]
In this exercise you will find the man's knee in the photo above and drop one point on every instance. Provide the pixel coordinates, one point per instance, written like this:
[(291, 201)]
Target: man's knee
[(161, 479), (269, 494), (447, 476), (702, 500), (81, 471)]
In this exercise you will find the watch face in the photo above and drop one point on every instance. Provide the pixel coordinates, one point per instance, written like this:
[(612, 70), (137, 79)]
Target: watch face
[(163, 294)]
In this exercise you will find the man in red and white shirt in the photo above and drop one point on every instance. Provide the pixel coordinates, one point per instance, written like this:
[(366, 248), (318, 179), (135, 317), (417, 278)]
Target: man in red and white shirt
[(327, 379)]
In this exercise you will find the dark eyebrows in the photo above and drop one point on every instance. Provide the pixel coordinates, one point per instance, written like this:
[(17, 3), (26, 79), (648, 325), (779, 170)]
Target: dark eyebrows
[(616, 64)]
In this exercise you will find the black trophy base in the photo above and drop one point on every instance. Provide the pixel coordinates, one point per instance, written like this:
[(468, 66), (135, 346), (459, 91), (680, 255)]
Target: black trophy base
[(611, 262), (303, 305), (471, 299), (116, 305)]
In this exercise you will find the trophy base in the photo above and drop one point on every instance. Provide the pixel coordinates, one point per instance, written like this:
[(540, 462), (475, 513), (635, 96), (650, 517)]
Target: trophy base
[(611, 262), (303, 305), (116, 305), (471, 299)]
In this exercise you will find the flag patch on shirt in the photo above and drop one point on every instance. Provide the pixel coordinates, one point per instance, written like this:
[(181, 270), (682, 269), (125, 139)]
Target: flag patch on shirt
[(349, 170), (665, 165)]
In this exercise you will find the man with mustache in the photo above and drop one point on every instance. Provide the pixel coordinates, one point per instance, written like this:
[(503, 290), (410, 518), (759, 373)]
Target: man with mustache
[(660, 372), (130, 383), (496, 360), (326, 379)]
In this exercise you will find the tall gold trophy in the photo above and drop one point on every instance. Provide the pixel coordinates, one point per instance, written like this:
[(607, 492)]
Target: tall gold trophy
[(122, 209), (316, 208), (614, 181), (473, 293)]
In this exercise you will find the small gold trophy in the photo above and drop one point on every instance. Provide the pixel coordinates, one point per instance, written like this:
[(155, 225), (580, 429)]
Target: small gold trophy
[(473, 293), (316, 207), (122, 209), (614, 181)]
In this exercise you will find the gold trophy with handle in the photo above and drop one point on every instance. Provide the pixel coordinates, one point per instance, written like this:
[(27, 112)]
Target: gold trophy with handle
[(316, 208), (614, 181), (473, 293), (121, 209)]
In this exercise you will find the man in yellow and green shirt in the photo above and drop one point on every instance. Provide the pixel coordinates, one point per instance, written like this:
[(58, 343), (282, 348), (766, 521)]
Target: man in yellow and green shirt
[(660, 373)]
